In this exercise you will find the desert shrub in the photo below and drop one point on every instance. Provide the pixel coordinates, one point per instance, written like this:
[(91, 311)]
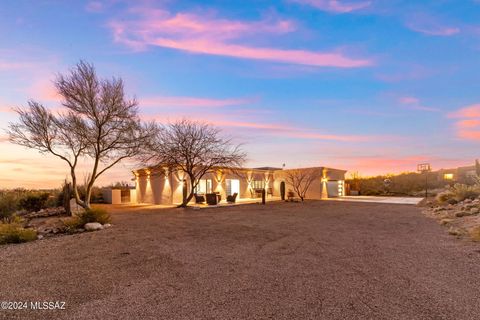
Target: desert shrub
[(14, 233), (34, 202), (72, 223), (8, 205), (463, 191), (94, 215), (445, 196), (404, 184), (458, 192)]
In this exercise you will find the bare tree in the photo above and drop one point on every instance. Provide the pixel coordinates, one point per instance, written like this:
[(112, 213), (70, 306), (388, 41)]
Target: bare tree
[(194, 148), (301, 179), (99, 123)]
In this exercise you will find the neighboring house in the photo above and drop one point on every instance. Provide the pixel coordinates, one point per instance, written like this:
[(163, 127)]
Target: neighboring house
[(158, 186), (465, 174)]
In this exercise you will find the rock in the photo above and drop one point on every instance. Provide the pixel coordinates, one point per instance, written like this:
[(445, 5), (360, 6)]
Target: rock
[(454, 231), (467, 200), (452, 201), (474, 211), (460, 214), (93, 226), (40, 237), (438, 209), (81, 230), (445, 221), (107, 225)]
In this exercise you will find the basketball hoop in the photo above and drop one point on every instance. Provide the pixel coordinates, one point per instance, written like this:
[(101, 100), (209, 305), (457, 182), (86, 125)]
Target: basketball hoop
[(425, 168)]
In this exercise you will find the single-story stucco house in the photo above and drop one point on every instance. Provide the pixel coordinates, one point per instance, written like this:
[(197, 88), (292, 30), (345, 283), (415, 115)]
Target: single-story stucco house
[(158, 186)]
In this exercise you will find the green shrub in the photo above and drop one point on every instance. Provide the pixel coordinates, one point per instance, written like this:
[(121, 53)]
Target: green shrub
[(94, 215), (34, 202), (14, 233), (8, 205), (72, 223)]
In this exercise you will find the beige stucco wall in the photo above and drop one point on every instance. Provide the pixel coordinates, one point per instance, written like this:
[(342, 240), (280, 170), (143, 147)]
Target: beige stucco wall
[(168, 189)]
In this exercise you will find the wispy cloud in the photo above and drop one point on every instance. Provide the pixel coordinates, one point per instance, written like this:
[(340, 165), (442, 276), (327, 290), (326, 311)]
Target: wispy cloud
[(429, 25), (10, 65), (191, 102), (207, 34), (336, 6), (414, 103), (94, 6), (467, 124), (284, 130)]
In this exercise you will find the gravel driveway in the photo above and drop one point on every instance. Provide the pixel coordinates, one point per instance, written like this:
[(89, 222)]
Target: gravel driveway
[(317, 260)]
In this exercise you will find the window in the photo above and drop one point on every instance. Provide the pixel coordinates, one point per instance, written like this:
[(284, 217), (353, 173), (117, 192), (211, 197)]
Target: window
[(448, 176), (258, 184), (204, 186)]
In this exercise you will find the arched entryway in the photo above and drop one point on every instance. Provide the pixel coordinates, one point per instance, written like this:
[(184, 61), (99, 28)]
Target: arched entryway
[(282, 190)]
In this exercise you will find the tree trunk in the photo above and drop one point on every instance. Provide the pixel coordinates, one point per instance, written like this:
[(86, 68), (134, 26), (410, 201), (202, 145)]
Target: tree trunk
[(189, 197), (75, 188)]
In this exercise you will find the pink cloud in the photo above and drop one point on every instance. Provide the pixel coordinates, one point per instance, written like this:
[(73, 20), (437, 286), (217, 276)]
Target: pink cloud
[(176, 101), (468, 124), (7, 65), (336, 6), (94, 6), (44, 91), (204, 34), (275, 129), (381, 164), (472, 111), (409, 100), (413, 103), (430, 26)]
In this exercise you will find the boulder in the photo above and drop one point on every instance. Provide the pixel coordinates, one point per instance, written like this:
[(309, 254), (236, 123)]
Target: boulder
[(454, 231), (474, 210), (107, 225), (445, 221), (460, 214), (467, 200), (93, 226)]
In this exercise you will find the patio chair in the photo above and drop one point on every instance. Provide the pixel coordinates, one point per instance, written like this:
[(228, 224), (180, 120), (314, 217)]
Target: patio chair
[(270, 192), (212, 198), (199, 198), (232, 198)]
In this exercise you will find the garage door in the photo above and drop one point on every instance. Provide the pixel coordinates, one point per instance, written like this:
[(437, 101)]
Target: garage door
[(332, 189)]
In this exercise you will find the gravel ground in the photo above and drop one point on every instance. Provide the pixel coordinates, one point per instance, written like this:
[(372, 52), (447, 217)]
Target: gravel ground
[(317, 260)]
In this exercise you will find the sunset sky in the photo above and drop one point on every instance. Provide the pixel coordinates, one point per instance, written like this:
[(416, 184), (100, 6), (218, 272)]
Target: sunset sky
[(370, 86)]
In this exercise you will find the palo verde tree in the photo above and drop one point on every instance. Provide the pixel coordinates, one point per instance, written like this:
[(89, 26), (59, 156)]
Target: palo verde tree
[(97, 122), (194, 148), (301, 179)]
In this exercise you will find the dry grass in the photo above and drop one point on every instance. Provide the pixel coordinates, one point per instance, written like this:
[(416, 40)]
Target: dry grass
[(475, 234)]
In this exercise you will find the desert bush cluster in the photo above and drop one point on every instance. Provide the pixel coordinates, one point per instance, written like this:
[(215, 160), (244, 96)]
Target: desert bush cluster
[(458, 192), (13, 201), (19, 207), (15, 233), (404, 184), (88, 216)]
